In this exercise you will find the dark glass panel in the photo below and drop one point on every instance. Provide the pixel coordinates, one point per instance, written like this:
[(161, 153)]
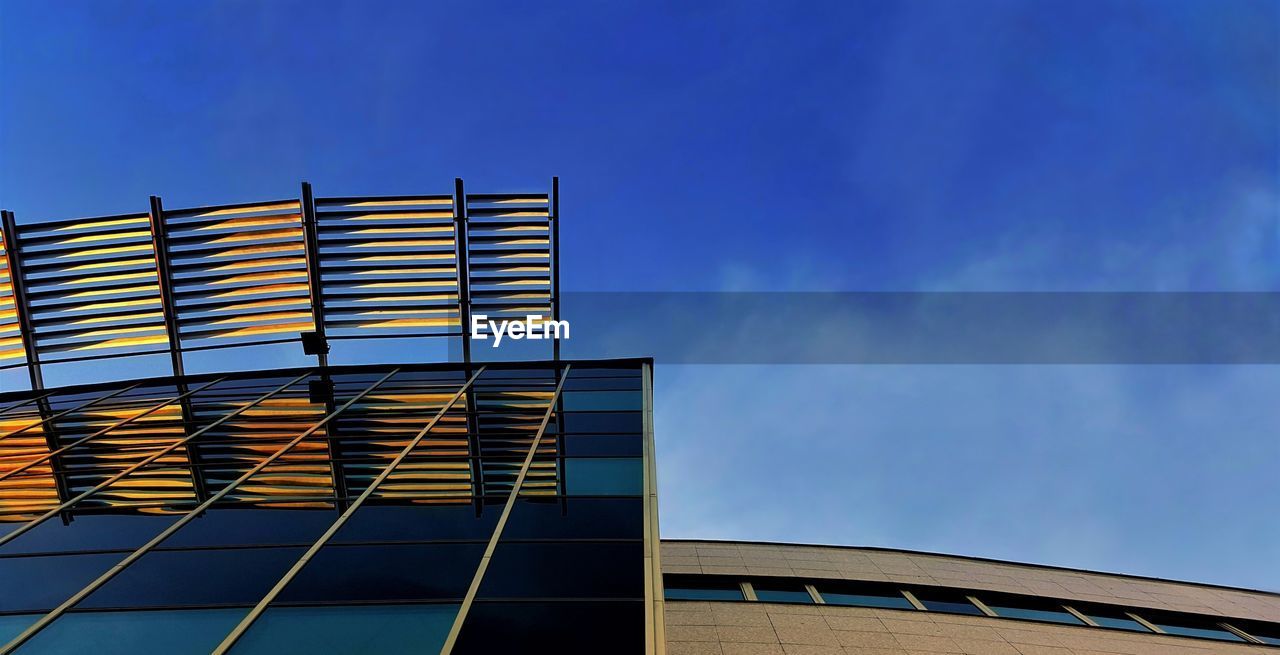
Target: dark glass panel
[(679, 587), (41, 583), (565, 570), (563, 627), (387, 629), (253, 527), (12, 625), (1115, 619), (617, 445), (604, 422), (936, 600), (196, 577), (419, 523), (1193, 628), (576, 518), (870, 599), (603, 384), (599, 401), (781, 592), (389, 572), (89, 532), (619, 476), (172, 632), (1030, 610)]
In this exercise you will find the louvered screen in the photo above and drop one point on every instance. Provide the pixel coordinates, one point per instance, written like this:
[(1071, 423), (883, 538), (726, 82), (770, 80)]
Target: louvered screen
[(509, 250), (92, 287), (239, 273), (389, 266)]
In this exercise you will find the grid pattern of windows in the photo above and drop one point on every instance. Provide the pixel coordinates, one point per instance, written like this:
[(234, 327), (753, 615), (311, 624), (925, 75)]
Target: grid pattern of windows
[(967, 602), (429, 508)]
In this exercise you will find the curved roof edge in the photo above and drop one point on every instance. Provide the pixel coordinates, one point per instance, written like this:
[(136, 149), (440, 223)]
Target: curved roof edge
[(986, 560)]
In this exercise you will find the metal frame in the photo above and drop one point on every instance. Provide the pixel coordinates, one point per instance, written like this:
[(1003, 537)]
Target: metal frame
[(462, 262), (21, 307)]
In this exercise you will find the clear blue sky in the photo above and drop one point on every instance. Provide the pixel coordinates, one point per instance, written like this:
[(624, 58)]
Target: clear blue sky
[(974, 145)]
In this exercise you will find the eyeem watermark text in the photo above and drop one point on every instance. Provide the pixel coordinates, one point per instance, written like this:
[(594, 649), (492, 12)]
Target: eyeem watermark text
[(532, 326)]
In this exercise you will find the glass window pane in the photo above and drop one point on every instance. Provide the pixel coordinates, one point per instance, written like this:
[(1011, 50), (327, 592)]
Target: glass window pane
[(175, 632), (1204, 631), (12, 625), (578, 401), (576, 518), (702, 591), (88, 532), (596, 445), (418, 523), (563, 627), (603, 422), (1035, 614), (866, 600), (349, 629), (623, 476), (253, 527), (565, 570), (195, 577), (1116, 620), (781, 593), (386, 572), (41, 583), (946, 601)]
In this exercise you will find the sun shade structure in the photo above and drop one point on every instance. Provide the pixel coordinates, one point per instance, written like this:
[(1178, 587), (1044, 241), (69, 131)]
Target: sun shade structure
[(310, 269)]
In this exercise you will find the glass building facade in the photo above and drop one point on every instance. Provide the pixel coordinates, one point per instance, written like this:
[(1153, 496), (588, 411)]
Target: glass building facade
[(389, 509)]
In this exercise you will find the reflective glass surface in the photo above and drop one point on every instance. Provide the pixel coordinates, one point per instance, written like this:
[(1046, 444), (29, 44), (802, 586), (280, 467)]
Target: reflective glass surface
[(944, 601), (1116, 620), (576, 518), (1203, 631), (172, 632), (195, 577), (604, 477), (390, 629), (781, 593), (559, 627), (386, 572), (1036, 614), (42, 582), (88, 532), (866, 600), (565, 570), (703, 591)]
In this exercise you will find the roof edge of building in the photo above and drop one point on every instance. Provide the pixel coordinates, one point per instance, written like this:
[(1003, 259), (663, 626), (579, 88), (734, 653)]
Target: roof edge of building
[(988, 560)]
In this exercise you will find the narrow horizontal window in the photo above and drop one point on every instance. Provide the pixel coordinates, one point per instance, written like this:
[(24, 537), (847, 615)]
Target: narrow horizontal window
[(1037, 613), (863, 595), (1201, 630), (948, 602), (702, 590), (781, 592)]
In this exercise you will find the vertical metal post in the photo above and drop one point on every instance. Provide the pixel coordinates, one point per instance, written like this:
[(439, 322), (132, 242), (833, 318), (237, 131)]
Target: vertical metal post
[(20, 306), (553, 222), (160, 245), (311, 239), (462, 259), (164, 279)]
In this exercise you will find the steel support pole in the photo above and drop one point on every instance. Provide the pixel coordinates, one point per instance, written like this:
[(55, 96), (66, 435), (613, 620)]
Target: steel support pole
[(18, 280)]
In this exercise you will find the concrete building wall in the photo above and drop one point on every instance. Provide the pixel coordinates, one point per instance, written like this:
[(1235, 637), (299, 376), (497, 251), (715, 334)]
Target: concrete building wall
[(731, 628), (913, 568), (714, 628)]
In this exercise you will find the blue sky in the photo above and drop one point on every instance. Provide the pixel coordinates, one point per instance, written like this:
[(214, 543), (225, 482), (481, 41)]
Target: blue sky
[(862, 146)]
